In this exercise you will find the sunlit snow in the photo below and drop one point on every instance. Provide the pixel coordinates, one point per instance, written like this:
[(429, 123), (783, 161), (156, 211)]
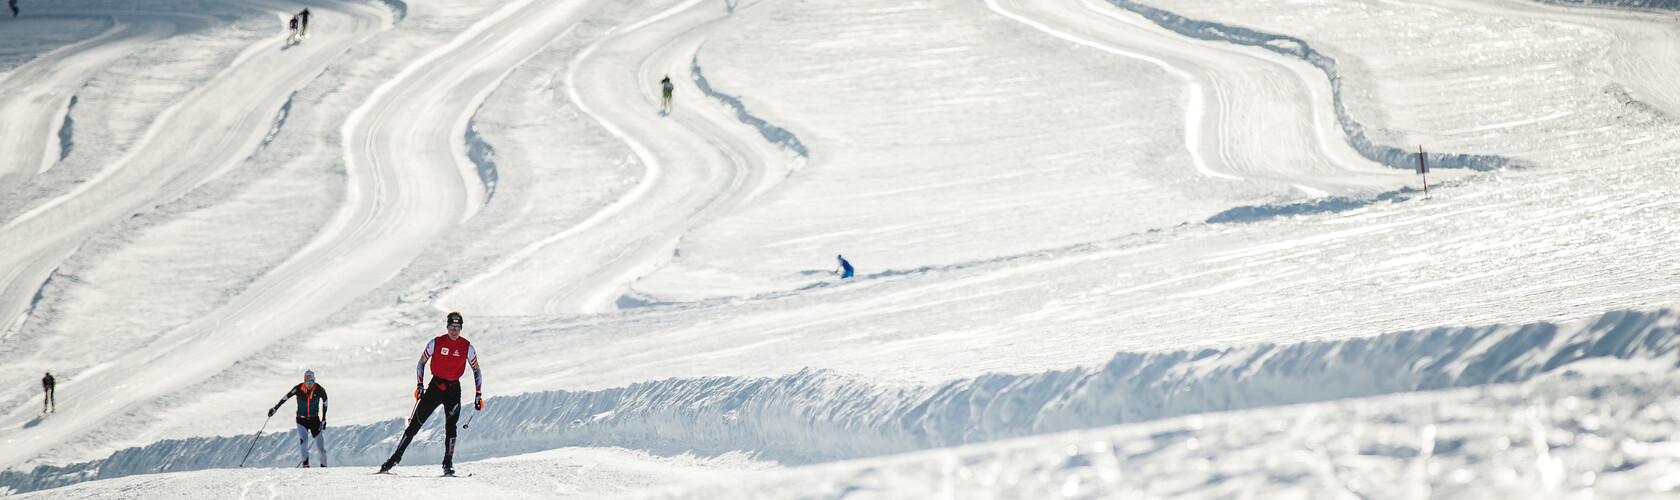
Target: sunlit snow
[(1103, 247)]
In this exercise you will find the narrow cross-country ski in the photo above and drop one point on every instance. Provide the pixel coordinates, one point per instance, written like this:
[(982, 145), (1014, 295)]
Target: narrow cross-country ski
[(826, 249)]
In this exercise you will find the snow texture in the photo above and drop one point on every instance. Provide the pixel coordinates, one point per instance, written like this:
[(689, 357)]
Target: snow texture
[(820, 415), (772, 133), (1107, 247), (1400, 158)]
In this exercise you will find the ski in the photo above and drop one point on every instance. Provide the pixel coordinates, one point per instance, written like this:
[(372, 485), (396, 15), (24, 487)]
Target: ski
[(453, 475)]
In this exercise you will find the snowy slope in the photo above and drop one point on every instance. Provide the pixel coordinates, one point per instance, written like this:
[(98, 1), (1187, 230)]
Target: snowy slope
[(1574, 436), (1066, 215)]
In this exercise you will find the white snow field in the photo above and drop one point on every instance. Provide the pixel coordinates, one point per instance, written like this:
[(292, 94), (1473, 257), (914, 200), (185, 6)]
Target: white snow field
[(1105, 248)]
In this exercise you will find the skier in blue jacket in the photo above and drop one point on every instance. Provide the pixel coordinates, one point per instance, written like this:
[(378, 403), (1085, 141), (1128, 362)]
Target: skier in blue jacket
[(845, 269)]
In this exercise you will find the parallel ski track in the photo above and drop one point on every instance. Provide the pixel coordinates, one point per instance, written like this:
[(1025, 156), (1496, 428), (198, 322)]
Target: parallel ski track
[(699, 163), (408, 185), (1233, 98), (37, 94), (200, 136)]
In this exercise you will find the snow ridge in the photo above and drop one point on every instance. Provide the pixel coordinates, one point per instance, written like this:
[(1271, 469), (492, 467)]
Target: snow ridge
[(279, 121), (64, 142), (399, 10), (483, 156), (1252, 213), (1625, 4), (1287, 45), (772, 133), (819, 415), (15, 325)]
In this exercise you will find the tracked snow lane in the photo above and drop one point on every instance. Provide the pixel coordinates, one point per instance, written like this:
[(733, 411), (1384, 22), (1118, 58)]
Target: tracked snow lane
[(406, 189), (208, 131), (700, 162), (37, 94), (1244, 102)]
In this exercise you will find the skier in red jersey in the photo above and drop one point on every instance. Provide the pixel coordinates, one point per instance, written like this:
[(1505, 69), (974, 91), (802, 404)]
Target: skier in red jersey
[(449, 354)]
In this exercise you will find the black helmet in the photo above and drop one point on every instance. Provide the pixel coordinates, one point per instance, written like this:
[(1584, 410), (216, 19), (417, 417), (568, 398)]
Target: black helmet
[(454, 319)]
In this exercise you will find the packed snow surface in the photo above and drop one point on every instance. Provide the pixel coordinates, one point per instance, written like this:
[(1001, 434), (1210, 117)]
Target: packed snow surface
[(1104, 247)]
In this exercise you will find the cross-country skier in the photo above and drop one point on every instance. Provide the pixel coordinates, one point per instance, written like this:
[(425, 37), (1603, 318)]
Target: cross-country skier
[(293, 38), (311, 415), (845, 268), (13, 5), (450, 355), (303, 27), (47, 384), (666, 87)]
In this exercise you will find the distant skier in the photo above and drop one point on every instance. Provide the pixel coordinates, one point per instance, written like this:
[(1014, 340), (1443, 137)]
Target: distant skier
[(311, 416), (293, 38), (845, 268), (449, 355), (666, 86), (47, 386), (303, 26), (13, 5)]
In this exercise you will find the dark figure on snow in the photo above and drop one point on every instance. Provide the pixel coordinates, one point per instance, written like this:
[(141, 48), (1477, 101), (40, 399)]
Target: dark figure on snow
[(311, 416), (666, 87), (450, 355), (13, 5), (845, 268), (293, 26), (303, 26), (47, 388)]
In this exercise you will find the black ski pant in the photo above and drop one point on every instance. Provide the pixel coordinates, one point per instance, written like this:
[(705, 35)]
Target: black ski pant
[(439, 392), (48, 402)]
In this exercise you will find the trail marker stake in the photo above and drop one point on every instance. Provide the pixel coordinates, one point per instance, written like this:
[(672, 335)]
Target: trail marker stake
[(1423, 170)]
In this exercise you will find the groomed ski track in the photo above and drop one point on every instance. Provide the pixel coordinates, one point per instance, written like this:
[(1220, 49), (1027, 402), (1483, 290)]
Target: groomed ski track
[(36, 95), (191, 141), (697, 163), (409, 183), (399, 197), (1238, 98)]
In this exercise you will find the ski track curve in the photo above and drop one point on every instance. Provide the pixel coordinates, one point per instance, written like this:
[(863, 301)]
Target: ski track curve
[(699, 162), (1241, 102), (1402, 159), (408, 183), (37, 94), (821, 415), (212, 128)]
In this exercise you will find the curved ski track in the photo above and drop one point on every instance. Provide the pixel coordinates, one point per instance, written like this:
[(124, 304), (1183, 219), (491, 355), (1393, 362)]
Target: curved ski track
[(699, 163), (1242, 102), (407, 187), (211, 129), (37, 94)]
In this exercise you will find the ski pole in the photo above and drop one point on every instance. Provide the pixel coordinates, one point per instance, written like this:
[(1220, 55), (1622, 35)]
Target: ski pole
[(254, 440), (469, 419)]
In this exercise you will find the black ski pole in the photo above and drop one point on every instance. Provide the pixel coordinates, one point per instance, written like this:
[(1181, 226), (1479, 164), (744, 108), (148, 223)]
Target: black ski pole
[(254, 440), (469, 419)]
